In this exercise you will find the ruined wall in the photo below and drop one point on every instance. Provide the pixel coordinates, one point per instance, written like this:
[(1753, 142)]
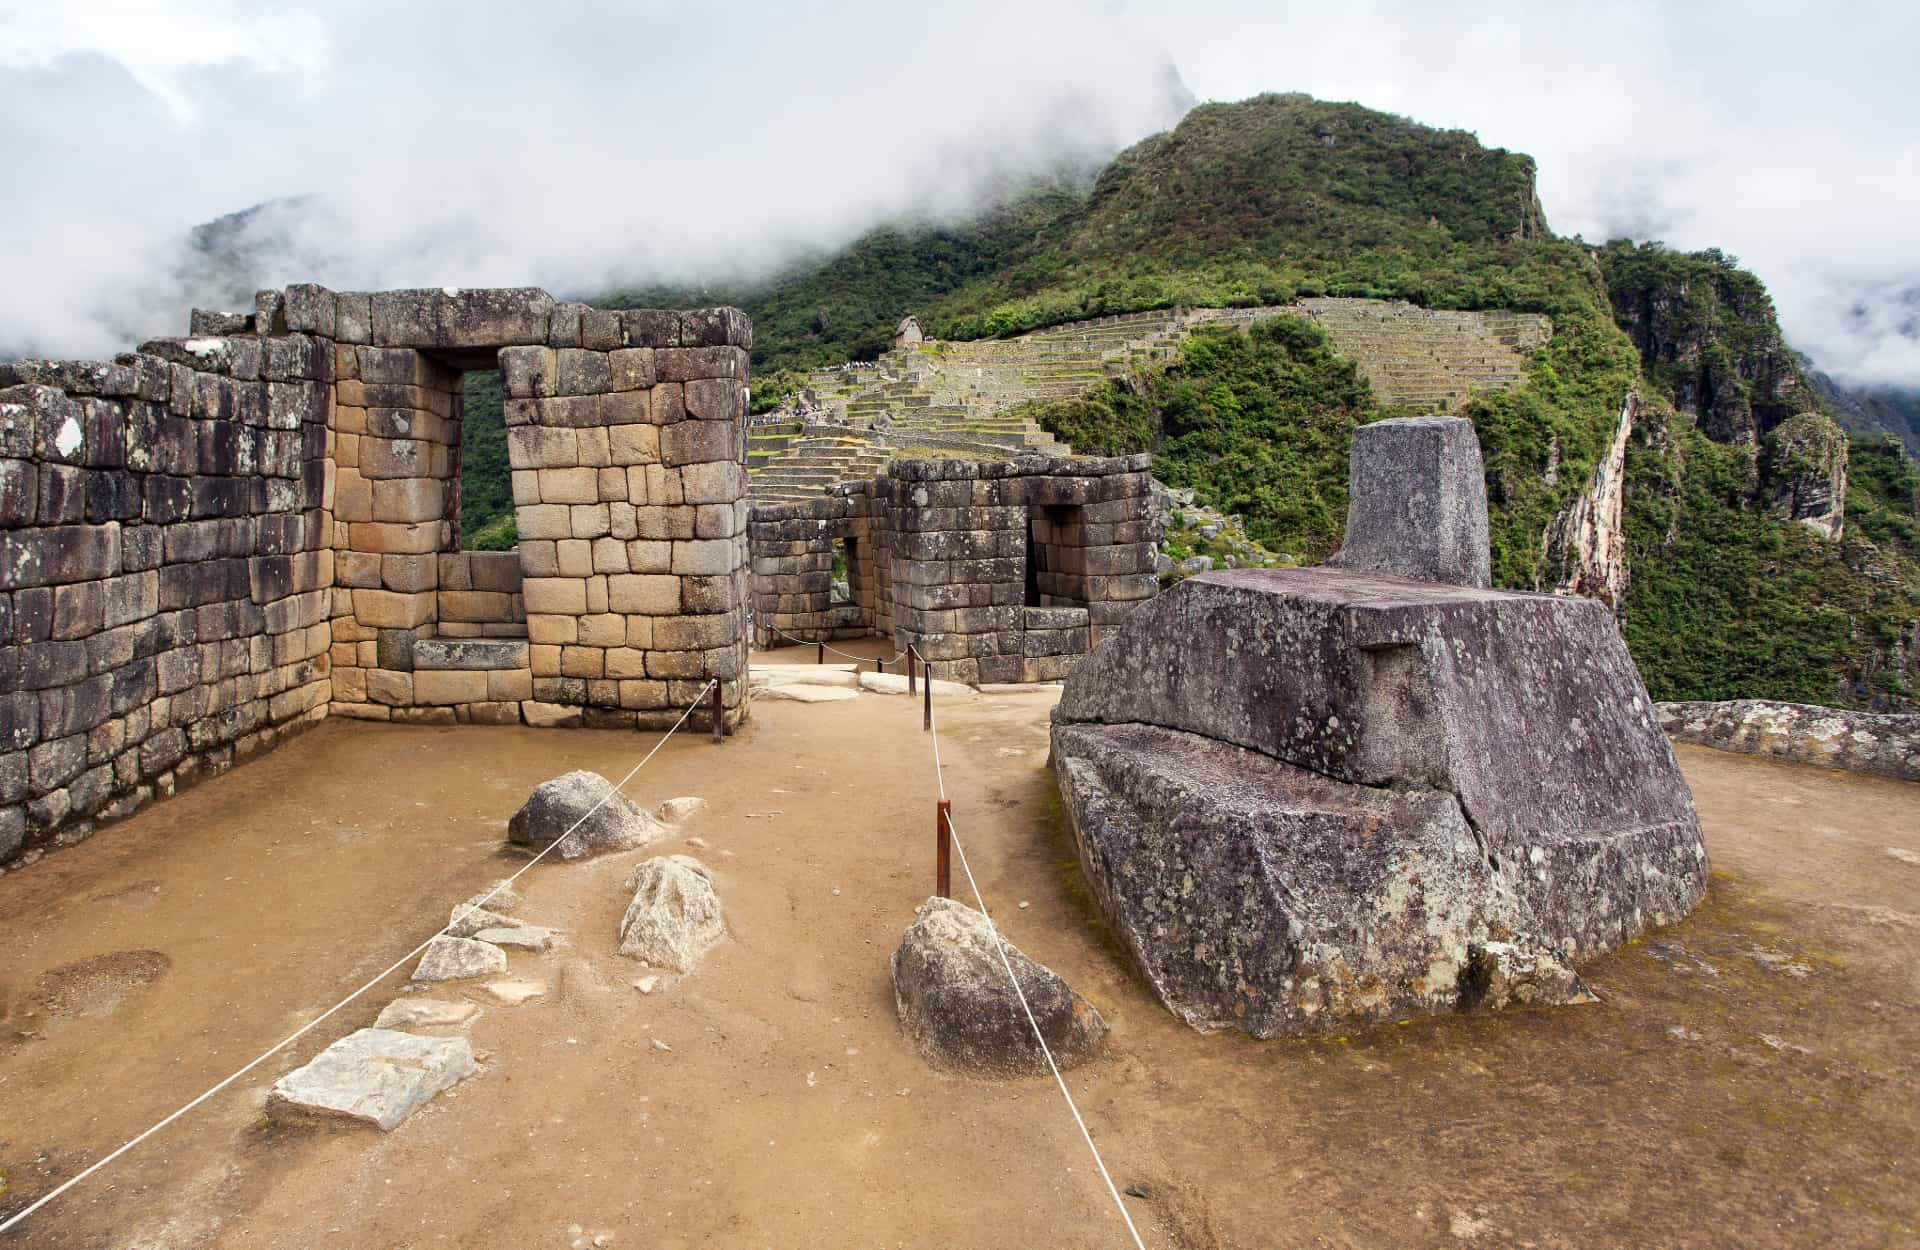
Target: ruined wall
[(958, 559), (219, 537), (164, 573), (791, 548), (1861, 742)]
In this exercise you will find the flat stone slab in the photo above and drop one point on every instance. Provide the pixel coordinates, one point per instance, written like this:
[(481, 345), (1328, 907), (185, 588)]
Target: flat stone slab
[(529, 937), (805, 693), (802, 675), (512, 993), (456, 959), (470, 653), (424, 1013), (896, 683), (374, 1076)]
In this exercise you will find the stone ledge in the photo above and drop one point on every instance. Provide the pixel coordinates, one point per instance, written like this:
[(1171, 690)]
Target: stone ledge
[(1885, 745), (470, 653)]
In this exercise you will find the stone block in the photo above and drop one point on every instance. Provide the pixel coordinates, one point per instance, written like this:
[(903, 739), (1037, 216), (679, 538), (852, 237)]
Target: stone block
[(696, 442), (409, 572), (634, 444), (1417, 502), (555, 595), (570, 485), (408, 499), (705, 556), (582, 372), (688, 364), (721, 481), (437, 687), (387, 537), (385, 609), (542, 447), (644, 595)]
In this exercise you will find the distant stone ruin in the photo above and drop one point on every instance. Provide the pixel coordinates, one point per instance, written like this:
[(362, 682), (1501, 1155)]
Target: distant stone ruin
[(1313, 798), (994, 571), (220, 538)]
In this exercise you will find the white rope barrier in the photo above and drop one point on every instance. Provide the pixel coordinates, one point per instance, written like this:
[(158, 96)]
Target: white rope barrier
[(471, 906), (999, 946), (858, 659)]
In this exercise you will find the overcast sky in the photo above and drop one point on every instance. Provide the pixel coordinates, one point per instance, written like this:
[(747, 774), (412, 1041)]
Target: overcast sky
[(575, 145)]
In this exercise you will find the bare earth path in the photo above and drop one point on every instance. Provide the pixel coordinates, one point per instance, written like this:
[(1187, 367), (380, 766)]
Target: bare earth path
[(1751, 1077)]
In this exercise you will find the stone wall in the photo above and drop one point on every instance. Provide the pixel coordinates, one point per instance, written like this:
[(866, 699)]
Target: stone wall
[(997, 571), (164, 573), (219, 537), (1862, 742)]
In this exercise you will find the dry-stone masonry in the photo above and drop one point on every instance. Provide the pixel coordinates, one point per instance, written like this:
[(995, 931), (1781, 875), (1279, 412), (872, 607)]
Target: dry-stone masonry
[(218, 539), (995, 571), (1308, 798), (1886, 744)]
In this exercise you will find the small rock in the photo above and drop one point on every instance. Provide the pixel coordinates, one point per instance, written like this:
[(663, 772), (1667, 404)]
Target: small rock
[(501, 897), (674, 917), (951, 991), (455, 959), (373, 1076), (1024, 904), (513, 993), (526, 937), (466, 920), (700, 843), (600, 817), (424, 1013), (674, 811), (660, 1045), (645, 984)]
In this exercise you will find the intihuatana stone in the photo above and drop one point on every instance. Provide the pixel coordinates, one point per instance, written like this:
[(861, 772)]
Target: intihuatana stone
[(956, 1003), (1417, 502), (586, 811), (674, 916), (373, 1076), (1312, 796)]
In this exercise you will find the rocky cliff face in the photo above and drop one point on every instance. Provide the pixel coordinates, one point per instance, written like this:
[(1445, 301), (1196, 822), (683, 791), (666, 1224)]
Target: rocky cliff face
[(1706, 330), (1587, 543), (1805, 468)]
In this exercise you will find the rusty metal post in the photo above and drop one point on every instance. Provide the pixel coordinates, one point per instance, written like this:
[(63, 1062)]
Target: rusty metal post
[(820, 656), (943, 850), (911, 689), (719, 713), (879, 665), (926, 688)]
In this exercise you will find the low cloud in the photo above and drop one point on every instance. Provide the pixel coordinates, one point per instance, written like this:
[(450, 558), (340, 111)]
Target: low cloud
[(582, 145)]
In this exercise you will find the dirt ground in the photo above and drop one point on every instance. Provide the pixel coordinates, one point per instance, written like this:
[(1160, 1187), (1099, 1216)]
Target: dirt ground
[(1749, 1077)]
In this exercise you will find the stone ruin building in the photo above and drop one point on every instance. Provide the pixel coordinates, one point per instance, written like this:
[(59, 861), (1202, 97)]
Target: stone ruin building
[(995, 571), (1307, 799), (219, 538)]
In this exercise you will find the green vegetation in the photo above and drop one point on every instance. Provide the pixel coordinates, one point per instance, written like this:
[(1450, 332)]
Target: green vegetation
[(486, 483), (1283, 197)]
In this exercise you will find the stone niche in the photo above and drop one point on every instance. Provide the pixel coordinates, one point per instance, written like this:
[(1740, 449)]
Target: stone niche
[(212, 542), (1313, 798), (996, 571)]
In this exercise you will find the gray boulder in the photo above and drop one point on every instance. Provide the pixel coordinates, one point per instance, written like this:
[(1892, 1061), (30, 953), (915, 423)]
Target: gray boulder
[(955, 1002), (373, 1076), (456, 959), (575, 799), (1417, 502), (674, 917), (466, 920), (1290, 783)]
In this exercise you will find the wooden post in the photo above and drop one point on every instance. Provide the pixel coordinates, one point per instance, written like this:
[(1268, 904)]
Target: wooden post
[(820, 657), (911, 689), (943, 850), (879, 665), (926, 688), (719, 714)]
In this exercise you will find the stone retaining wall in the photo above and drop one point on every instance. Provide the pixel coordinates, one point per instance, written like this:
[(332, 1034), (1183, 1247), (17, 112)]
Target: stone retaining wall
[(215, 539), (997, 571), (1861, 742)]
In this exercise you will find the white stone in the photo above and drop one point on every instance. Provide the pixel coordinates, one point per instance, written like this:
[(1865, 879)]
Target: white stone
[(424, 1013), (375, 1076), (896, 683), (674, 917), (806, 694), (645, 984), (455, 959), (673, 811), (513, 993), (801, 675), (526, 937)]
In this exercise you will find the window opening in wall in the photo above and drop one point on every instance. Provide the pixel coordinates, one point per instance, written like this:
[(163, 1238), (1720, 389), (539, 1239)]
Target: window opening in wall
[(485, 494), (843, 566), (1033, 566), (1056, 557)]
